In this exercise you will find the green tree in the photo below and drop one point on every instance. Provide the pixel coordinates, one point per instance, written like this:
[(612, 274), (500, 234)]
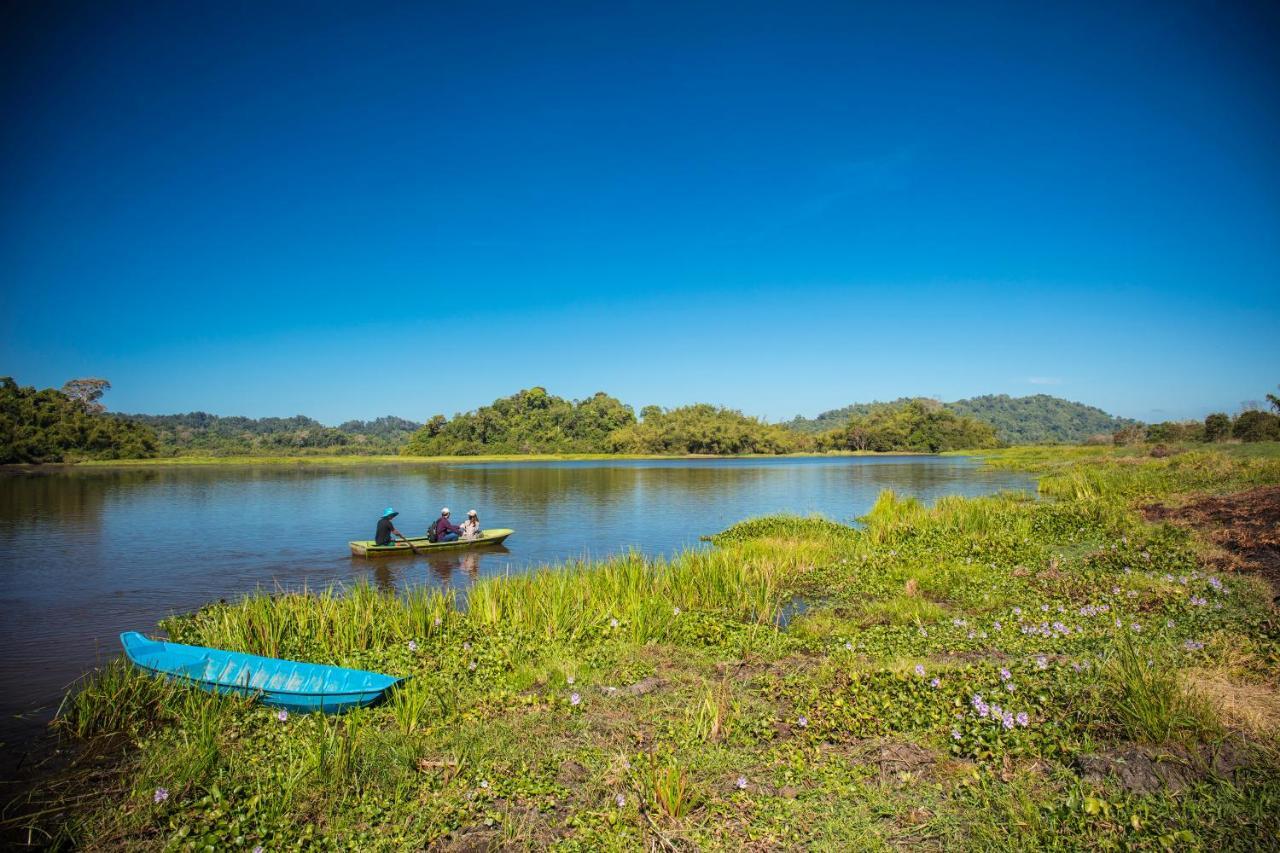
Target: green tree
[(49, 426), (87, 392), (1217, 427)]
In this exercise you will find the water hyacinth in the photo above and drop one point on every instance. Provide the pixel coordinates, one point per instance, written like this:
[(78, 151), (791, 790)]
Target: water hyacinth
[(1193, 645), (955, 734), (413, 646), (935, 682), (802, 722), (620, 800), (282, 715), (438, 622), (848, 647), (1042, 662), (1216, 584), (1017, 611), (569, 680), (484, 783), (675, 611), (1006, 719), (920, 670), (160, 795), (613, 623), (1022, 719), (575, 699), (1196, 601), (1005, 674), (472, 666), (741, 783)]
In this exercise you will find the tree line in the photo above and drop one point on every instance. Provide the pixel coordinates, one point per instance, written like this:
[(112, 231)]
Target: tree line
[(1252, 423), (65, 425), (533, 421)]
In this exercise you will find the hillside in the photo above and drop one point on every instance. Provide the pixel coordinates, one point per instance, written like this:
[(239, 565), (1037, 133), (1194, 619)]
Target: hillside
[(215, 435), (1038, 419)]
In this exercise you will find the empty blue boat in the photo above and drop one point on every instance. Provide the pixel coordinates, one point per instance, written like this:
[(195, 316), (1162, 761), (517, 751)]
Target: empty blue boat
[(287, 684)]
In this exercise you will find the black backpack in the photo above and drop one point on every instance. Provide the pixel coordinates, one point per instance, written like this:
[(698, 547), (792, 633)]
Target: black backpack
[(433, 532)]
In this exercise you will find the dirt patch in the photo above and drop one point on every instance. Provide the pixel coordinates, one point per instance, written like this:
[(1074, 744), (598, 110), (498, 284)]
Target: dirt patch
[(571, 774), (896, 759), (470, 840), (1146, 770), (1244, 526)]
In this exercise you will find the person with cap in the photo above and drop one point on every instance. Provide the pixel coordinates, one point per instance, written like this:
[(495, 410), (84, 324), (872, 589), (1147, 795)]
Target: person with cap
[(386, 529), (446, 530), (471, 527)]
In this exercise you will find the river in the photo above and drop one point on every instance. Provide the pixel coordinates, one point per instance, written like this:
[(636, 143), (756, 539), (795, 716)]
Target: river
[(88, 553)]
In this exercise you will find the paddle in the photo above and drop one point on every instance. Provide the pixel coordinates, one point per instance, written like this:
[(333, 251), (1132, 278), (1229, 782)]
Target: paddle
[(410, 544)]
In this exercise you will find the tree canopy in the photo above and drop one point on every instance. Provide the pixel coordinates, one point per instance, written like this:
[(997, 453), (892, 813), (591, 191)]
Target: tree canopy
[(703, 428), (530, 421), (50, 426), (200, 433), (921, 426)]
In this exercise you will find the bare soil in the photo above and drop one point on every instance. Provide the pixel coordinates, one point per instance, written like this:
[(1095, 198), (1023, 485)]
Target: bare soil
[(1244, 526)]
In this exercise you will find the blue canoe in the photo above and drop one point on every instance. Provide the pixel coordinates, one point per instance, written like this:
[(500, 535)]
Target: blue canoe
[(287, 684)]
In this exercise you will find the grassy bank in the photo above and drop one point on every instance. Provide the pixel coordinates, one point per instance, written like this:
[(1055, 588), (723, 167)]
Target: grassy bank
[(986, 673), (433, 460)]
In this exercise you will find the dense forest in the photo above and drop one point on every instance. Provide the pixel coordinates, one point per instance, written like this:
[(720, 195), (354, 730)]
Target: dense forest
[(200, 433), (702, 428), (922, 426), (531, 421), (1038, 419), (66, 425)]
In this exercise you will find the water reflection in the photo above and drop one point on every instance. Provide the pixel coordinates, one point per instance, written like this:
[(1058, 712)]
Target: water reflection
[(448, 568)]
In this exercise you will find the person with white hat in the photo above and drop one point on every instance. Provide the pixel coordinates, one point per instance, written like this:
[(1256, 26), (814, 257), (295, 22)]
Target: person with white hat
[(471, 527), (445, 530)]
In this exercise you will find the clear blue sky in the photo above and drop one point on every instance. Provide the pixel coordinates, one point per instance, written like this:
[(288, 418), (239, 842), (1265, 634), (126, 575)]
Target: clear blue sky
[(348, 210)]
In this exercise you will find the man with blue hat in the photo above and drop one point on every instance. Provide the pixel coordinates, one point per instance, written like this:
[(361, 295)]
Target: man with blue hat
[(386, 529)]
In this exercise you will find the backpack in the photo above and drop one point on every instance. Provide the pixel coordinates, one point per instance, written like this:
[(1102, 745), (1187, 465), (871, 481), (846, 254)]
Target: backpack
[(433, 532)]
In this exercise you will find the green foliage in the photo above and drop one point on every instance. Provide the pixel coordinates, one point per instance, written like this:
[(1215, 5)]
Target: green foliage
[(203, 434), (48, 426), (530, 421), (1217, 427), (1256, 426), (1038, 419), (1175, 431), (922, 426), (702, 428)]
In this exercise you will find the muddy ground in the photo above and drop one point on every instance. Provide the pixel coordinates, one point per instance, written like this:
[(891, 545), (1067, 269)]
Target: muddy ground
[(1245, 526)]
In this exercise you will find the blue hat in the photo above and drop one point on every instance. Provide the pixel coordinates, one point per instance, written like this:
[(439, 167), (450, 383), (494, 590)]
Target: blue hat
[(388, 512)]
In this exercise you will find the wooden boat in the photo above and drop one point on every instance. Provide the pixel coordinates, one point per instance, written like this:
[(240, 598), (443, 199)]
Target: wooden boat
[(366, 548), (287, 684)]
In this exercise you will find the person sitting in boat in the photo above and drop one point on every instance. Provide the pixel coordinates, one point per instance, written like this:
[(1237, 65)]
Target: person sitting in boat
[(471, 527), (386, 529), (446, 530)]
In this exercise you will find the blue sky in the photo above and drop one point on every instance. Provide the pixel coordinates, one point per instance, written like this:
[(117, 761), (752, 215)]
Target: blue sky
[(348, 210)]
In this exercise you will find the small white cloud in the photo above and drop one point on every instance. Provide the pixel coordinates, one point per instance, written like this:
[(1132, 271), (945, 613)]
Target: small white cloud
[(1044, 380)]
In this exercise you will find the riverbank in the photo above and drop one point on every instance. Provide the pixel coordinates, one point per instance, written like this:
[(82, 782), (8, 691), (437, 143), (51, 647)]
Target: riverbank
[(353, 460), (987, 673)]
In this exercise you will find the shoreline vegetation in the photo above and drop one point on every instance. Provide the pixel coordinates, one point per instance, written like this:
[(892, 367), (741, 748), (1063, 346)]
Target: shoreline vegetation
[(984, 673)]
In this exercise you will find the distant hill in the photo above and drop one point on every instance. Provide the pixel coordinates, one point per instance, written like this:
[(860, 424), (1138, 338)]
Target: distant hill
[(200, 433), (1038, 419)]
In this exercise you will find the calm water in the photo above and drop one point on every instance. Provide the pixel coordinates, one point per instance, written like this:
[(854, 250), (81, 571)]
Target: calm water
[(85, 555)]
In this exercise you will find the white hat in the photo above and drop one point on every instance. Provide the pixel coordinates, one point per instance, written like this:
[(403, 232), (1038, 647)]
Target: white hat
[(471, 512), (444, 511)]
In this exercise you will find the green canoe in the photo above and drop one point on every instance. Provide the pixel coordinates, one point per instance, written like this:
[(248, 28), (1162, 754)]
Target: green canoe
[(366, 548)]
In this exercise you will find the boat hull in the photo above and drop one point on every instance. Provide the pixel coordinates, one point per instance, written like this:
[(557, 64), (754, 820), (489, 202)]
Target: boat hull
[(488, 538), (291, 685)]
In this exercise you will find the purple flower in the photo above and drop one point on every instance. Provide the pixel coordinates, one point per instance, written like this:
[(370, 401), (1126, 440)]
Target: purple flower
[(935, 682), (1023, 719), (848, 647), (1136, 627), (1017, 611), (472, 666), (621, 801), (1044, 608), (569, 680), (437, 622), (258, 849), (955, 734), (466, 646), (1115, 590), (997, 626), (413, 647), (1009, 686), (920, 670), (613, 623), (675, 611), (1193, 646), (972, 635), (1215, 583), (575, 699), (741, 783), (282, 715), (160, 795), (996, 712), (1007, 720), (1042, 662), (1005, 674), (484, 783), (803, 722)]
